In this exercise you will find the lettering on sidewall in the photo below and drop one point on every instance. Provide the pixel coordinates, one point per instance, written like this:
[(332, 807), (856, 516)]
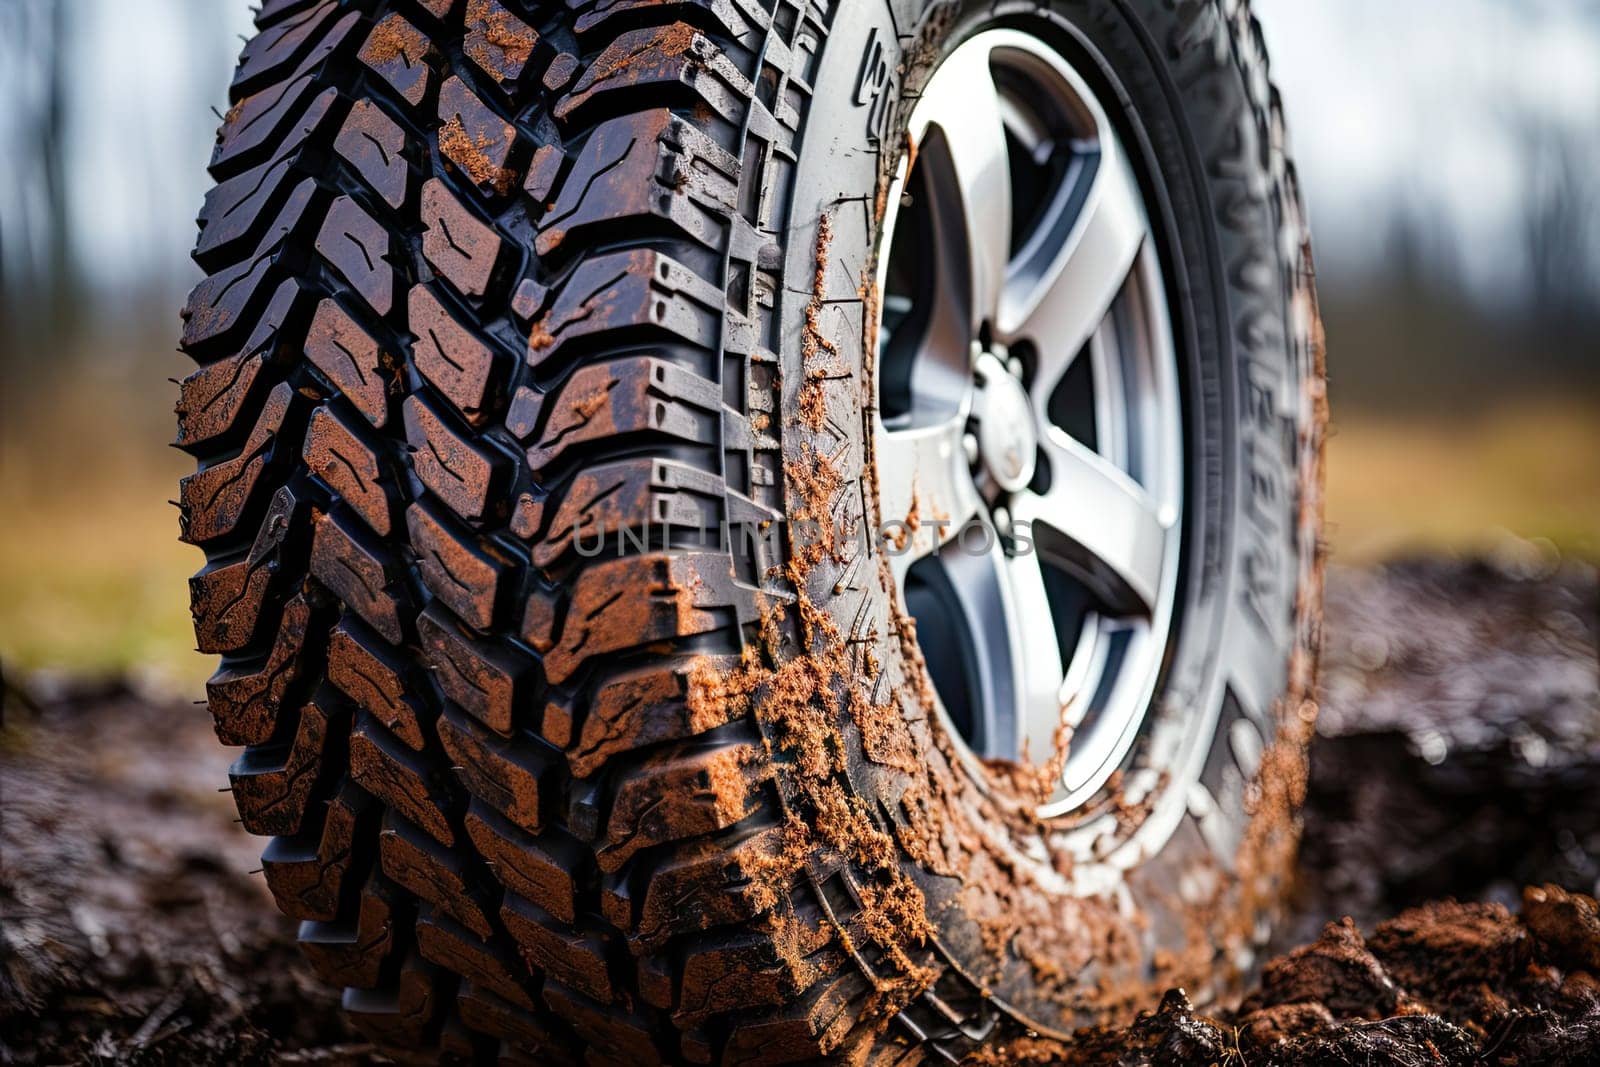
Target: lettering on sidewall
[(875, 87), (1265, 438)]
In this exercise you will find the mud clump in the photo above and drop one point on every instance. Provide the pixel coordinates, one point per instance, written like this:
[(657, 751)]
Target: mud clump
[(1446, 984)]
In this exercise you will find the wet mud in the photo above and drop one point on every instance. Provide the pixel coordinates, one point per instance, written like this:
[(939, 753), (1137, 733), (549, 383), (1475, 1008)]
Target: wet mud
[(1460, 739), (131, 928), (1451, 816)]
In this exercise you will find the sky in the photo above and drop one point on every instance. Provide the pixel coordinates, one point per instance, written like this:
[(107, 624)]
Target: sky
[(1411, 105), (1426, 104)]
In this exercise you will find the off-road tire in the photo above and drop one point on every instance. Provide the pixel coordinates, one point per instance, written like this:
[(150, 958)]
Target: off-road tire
[(490, 278)]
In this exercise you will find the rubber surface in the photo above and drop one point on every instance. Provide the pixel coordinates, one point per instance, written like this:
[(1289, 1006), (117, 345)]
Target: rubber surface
[(489, 285)]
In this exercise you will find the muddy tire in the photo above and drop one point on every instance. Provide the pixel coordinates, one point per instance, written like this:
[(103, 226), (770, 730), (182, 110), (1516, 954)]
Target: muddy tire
[(534, 420)]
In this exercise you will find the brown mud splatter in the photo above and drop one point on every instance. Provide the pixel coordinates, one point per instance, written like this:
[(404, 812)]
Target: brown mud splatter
[(800, 699), (499, 32), (395, 38)]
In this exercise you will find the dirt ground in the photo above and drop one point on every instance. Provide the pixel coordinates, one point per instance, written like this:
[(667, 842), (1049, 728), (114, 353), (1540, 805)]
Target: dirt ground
[(1459, 754)]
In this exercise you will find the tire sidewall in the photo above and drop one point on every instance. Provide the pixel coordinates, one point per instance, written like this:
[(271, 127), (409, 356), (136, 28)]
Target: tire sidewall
[(1200, 146)]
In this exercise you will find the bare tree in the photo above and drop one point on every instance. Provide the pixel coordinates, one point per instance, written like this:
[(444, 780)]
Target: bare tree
[(1558, 223)]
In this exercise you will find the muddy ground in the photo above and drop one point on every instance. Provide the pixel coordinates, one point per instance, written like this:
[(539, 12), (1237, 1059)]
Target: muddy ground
[(1460, 758)]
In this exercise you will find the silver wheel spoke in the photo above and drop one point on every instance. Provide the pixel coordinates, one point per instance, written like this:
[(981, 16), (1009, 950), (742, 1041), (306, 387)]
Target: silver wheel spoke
[(1107, 529), (1059, 306), (925, 491), (1036, 658), (1018, 663), (963, 106), (975, 412)]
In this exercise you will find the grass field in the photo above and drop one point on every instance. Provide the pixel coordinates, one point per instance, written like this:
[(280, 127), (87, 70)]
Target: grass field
[(1527, 472), (92, 577)]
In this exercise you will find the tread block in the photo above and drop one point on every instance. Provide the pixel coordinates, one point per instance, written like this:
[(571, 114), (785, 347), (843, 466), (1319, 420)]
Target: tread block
[(401, 778), (452, 358), (336, 453), (704, 884), (656, 62), (353, 952), (485, 963), (211, 399), (649, 164), (468, 479), (278, 47), (479, 142), (805, 1031), (498, 42), (374, 145), (576, 958), (374, 675), (633, 495), (234, 209), (245, 698), (306, 872), (404, 1016), (632, 297), (743, 972), (512, 776), (543, 171), (487, 1013), (620, 604), (643, 707), (352, 360), (359, 573), (272, 783), (461, 248), (432, 872), (559, 74), (744, 20), (681, 794), (225, 301), (539, 868), (226, 598), (485, 678), (212, 501), (257, 123), (625, 399), (225, 601), (398, 53), (611, 1034), (358, 247), (270, 11), (464, 576)]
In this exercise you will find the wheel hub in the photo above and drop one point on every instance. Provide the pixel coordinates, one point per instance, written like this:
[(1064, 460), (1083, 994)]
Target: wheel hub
[(1027, 382), (1008, 442)]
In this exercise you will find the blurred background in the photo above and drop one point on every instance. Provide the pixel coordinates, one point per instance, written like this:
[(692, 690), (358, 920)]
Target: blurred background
[(1450, 152)]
